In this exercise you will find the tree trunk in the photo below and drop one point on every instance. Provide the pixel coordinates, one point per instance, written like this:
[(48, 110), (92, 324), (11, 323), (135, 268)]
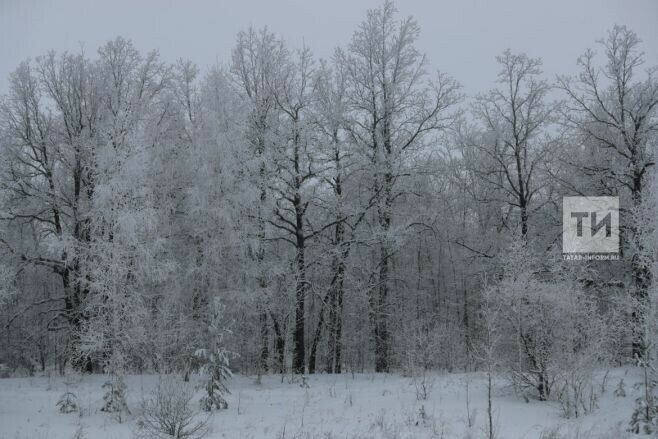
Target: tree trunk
[(381, 305), (298, 355), (300, 298), (264, 347), (279, 345), (338, 264), (381, 330), (336, 318), (316, 337), (642, 279)]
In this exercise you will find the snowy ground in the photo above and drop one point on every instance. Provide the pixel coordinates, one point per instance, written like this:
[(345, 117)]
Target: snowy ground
[(364, 406)]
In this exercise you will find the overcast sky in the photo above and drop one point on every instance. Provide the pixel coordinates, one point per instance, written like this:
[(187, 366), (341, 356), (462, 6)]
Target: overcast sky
[(460, 37)]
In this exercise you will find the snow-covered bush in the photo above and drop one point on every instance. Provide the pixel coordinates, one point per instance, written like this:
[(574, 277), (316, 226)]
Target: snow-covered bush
[(554, 337), (168, 413), (620, 391), (644, 419), (79, 433), (68, 402), (423, 381), (567, 431), (645, 415), (420, 346), (576, 393)]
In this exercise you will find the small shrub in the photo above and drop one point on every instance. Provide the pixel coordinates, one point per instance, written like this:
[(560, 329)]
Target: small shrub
[(576, 432), (68, 403), (79, 433), (620, 391), (423, 382), (644, 419), (576, 394), (168, 413)]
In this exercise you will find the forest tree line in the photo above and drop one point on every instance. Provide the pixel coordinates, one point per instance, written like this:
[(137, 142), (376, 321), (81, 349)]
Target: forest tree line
[(353, 214)]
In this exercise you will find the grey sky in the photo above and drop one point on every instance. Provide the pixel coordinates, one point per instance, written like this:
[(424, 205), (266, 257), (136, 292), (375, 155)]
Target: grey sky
[(459, 37)]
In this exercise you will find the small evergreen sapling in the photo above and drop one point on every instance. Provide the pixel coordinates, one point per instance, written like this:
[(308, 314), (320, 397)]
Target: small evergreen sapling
[(645, 415), (217, 372), (620, 391), (68, 402), (214, 362), (114, 400)]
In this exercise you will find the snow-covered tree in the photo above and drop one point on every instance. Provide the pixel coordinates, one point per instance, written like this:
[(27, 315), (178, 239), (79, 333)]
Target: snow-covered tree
[(513, 149), (215, 363), (613, 108), (395, 107)]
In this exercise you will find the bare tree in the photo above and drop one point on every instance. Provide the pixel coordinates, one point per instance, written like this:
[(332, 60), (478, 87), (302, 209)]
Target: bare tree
[(486, 346), (615, 111), (292, 181), (513, 147), (394, 109)]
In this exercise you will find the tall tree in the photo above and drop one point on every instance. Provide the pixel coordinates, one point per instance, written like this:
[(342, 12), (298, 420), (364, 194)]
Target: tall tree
[(513, 148), (259, 57), (50, 165), (615, 112), (292, 182), (395, 108)]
